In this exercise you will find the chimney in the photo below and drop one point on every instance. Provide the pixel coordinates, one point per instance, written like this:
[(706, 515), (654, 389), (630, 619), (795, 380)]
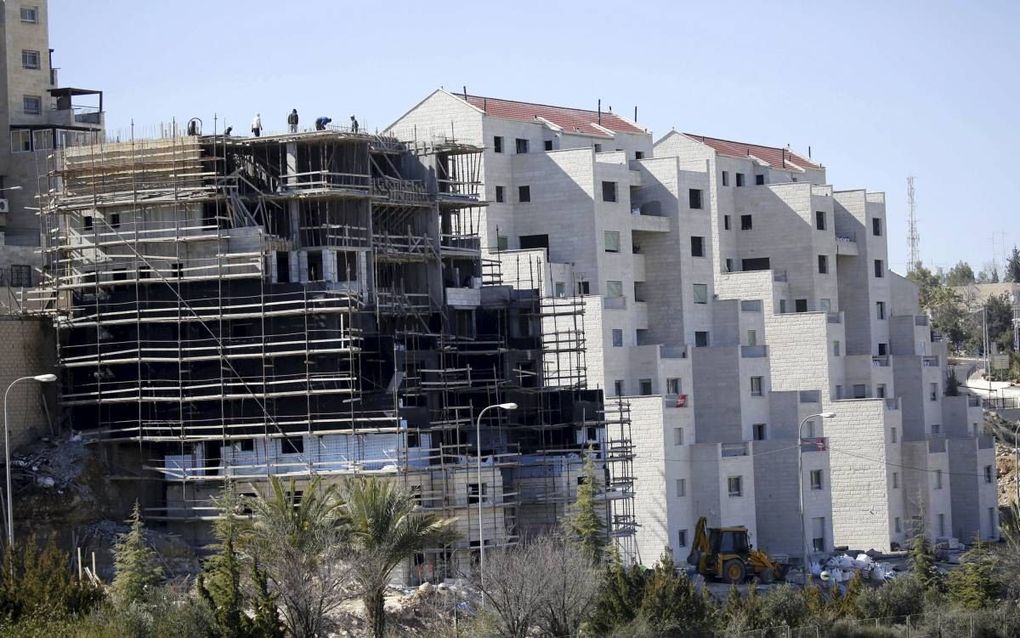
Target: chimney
[(600, 111), (465, 92), (809, 152), (635, 114)]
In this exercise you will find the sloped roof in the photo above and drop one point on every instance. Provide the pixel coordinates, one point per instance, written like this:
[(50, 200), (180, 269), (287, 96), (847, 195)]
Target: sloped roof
[(776, 157), (569, 119)]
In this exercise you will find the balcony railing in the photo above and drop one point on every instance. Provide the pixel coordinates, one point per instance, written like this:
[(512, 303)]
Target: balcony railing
[(673, 352), (614, 303), (880, 361), (847, 236), (833, 317), (810, 396), (754, 352), (920, 320), (930, 362), (751, 305), (733, 449), (891, 405)]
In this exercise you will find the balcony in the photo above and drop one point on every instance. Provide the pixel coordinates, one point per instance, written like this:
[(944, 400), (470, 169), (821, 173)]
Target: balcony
[(810, 396), (891, 405), (68, 113), (733, 449), (614, 303), (920, 320), (930, 361), (754, 352), (833, 317), (846, 243), (464, 297), (779, 276), (880, 361), (751, 305), (672, 352)]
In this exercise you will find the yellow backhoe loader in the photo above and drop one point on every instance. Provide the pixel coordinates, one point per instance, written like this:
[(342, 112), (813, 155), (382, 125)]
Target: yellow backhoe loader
[(726, 554)]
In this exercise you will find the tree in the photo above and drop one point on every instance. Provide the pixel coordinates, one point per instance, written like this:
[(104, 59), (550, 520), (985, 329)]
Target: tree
[(301, 541), (960, 275), (620, 591), (922, 564), (999, 314), (943, 305), (265, 621), (136, 565), (571, 587), (973, 585), (36, 582), (220, 582), (585, 525), (385, 531), (672, 605), (1012, 271)]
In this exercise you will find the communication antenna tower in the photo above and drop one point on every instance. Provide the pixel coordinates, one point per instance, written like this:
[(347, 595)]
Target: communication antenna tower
[(913, 239)]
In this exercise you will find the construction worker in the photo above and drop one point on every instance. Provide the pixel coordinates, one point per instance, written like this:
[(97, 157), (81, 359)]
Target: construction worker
[(256, 125), (354, 124), (320, 123), (292, 121)]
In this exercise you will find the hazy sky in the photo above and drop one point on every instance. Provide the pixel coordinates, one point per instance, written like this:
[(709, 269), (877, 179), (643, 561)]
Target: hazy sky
[(878, 89)]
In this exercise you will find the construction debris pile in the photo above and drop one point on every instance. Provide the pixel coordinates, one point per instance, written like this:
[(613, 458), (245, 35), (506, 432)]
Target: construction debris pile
[(841, 568), (1009, 474)]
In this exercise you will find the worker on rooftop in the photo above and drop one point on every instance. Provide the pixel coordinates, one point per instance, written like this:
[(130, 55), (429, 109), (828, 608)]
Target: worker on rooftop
[(292, 121), (256, 125), (354, 124), (321, 122)]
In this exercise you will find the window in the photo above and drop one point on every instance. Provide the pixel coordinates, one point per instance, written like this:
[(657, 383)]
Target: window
[(87, 222), (879, 268), (880, 391), (561, 289), (820, 219), (502, 243), (876, 226), (548, 145), (759, 431), (800, 305), (755, 263), (292, 445), (583, 288), (598, 148), (681, 488), (700, 339), (673, 386), (678, 436), (735, 485), (500, 195), (30, 59), (725, 178), (534, 241), (860, 391), (824, 304), (752, 337), (639, 155), (523, 194), (30, 15), (988, 474), (497, 144), (521, 146), (895, 480), (246, 445), (645, 387), (938, 479), (700, 293), (32, 104), (892, 435), (681, 539), (880, 310), (992, 524), (933, 391), (614, 289), (756, 386), (810, 429), (782, 306), (474, 493), (936, 429), (745, 222), (697, 246), (759, 180), (617, 338), (115, 220), (21, 276), (839, 391), (823, 264), (612, 241), (729, 265), (618, 384), (942, 524), (21, 141), (835, 348), (609, 191), (883, 349), (816, 479), (726, 222), (694, 198), (740, 179), (818, 533)]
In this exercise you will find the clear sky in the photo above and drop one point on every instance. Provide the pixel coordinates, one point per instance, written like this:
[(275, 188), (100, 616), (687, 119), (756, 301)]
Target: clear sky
[(879, 89)]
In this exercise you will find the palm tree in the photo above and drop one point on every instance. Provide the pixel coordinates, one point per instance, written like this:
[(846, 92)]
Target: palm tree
[(301, 542), (386, 531)]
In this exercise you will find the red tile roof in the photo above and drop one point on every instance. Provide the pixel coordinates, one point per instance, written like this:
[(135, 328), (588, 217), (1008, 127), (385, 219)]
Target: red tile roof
[(776, 157), (570, 120)]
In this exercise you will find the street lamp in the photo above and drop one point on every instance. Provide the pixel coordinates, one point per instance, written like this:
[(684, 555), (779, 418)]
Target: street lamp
[(800, 481), (478, 442), (41, 378)]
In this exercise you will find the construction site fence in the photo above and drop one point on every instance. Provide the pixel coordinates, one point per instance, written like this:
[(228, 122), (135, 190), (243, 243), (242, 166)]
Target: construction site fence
[(955, 624)]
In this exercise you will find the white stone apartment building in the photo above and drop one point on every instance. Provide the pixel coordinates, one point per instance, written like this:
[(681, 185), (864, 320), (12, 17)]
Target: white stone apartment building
[(735, 294)]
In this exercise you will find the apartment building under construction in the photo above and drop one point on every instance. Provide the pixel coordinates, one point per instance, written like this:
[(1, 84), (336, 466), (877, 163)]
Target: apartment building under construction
[(316, 304)]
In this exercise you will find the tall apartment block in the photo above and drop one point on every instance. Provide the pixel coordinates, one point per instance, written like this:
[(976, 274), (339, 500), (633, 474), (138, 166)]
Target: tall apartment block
[(315, 304), (737, 296)]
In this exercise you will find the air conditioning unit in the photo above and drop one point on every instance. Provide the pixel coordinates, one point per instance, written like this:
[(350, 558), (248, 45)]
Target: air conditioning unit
[(4, 206)]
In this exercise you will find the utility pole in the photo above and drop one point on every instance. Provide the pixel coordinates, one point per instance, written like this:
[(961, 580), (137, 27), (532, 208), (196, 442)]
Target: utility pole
[(913, 239)]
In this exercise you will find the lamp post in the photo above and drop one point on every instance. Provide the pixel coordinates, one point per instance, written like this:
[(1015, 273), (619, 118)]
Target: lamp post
[(41, 378), (478, 442), (800, 482)]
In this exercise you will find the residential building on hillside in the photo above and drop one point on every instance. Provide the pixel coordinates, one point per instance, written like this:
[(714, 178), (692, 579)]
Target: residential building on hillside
[(736, 294)]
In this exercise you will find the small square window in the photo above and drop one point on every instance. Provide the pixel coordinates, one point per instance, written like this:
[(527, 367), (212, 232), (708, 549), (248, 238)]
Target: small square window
[(759, 180), (30, 15), (548, 145), (933, 391), (618, 384), (735, 485), (612, 241), (474, 494), (893, 438), (820, 219), (816, 479), (497, 144), (523, 194), (883, 349), (246, 445), (609, 191), (936, 429), (21, 276), (800, 305), (756, 386), (673, 386), (521, 145), (645, 387), (694, 198), (701, 339), (617, 338), (746, 223), (876, 226), (614, 289), (639, 155), (500, 195), (896, 480), (760, 431), (726, 222), (879, 268), (835, 348), (752, 337), (115, 220), (825, 304), (729, 265), (32, 104), (697, 246), (880, 309), (598, 148), (860, 390), (502, 243), (681, 488), (678, 436), (725, 178), (584, 287), (898, 524), (740, 179), (87, 223), (292, 445), (988, 474), (880, 390), (938, 479), (823, 264), (30, 59), (701, 293), (681, 538)]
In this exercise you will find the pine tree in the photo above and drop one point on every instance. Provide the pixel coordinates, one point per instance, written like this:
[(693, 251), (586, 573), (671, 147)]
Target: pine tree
[(220, 582), (135, 563), (619, 596), (265, 621), (922, 564), (585, 525), (671, 604), (974, 586)]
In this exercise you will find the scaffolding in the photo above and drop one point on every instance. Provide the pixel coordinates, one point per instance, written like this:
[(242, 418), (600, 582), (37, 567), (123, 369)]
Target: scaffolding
[(315, 304)]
